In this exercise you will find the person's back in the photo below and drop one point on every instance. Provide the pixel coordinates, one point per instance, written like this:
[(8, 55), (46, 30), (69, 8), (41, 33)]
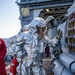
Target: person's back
[(2, 55)]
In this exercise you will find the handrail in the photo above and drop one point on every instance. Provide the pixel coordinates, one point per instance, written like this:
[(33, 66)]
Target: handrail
[(41, 0)]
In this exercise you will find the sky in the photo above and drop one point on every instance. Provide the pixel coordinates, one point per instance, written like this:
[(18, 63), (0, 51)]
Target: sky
[(9, 18)]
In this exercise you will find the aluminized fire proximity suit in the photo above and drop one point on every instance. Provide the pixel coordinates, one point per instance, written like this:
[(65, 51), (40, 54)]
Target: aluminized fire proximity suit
[(28, 38), (54, 45), (44, 40), (54, 49)]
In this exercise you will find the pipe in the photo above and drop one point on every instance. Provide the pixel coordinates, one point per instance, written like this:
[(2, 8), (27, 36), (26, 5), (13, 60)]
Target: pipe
[(60, 69), (67, 61)]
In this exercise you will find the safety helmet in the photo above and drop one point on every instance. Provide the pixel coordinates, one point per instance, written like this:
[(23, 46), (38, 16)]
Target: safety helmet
[(49, 18), (49, 22)]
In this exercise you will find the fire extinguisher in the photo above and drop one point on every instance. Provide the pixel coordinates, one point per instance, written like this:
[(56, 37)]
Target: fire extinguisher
[(14, 64)]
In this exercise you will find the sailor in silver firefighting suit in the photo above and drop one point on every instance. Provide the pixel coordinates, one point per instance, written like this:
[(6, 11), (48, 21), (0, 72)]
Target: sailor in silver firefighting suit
[(54, 46), (28, 38), (44, 40), (29, 46)]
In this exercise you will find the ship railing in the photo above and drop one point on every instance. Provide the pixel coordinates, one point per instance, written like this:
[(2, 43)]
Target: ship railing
[(42, 0)]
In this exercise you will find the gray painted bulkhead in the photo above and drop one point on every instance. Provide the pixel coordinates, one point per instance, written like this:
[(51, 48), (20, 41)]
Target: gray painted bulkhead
[(39, 4)]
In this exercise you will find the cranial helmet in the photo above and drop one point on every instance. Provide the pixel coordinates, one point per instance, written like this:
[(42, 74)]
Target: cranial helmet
[(49, 18)]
